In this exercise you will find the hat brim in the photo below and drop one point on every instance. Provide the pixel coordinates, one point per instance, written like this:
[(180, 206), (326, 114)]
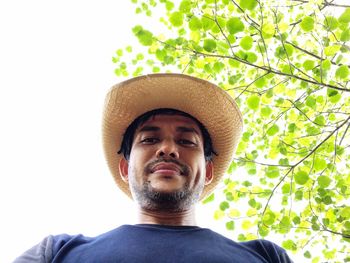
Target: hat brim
[(206, 102)]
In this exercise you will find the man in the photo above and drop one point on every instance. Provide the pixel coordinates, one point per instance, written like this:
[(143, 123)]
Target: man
[(168, 140)]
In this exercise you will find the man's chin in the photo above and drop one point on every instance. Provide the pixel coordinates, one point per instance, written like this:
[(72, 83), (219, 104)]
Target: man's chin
[(165, 199), (173, 196), (173, 201)]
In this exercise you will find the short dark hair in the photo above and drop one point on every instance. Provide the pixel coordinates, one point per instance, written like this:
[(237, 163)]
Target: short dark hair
[(128, 136)]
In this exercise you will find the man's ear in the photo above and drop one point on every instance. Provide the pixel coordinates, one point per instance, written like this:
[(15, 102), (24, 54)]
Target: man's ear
[(209, 172), (124, 169)]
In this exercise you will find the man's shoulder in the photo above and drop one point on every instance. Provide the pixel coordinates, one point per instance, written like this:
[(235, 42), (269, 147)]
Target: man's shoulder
[(269, 250)]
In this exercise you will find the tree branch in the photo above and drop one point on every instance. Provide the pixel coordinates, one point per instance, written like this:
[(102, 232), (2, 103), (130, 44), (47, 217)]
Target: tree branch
[(270, 70), (241, 159), (300, 161)]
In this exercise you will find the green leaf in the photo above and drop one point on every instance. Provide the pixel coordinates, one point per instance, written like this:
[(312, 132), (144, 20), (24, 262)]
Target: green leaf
[(207, 23), (253, 102), (269, 218), (289, 49), (263, 231), (233, 79), (311, 102), (156, 69), (335, 99), (327, 200), (229, 196), (140, 56), (345, 16), (331, 92), (246, 42), (176, 19), (266, 111), (347, 225), (209, 199), (222, 47), (326, 65), (230, 225), (234, 25), (246, 136), (268, 30), (307, 24), (242, 55), (285, 222), (283, 51), (289, 245), (251, 57), (296, 220), (312, 130), (224, 205), (248, 4), (345, 212), (272, 172), (168, 60), (260, 82), (292, 127), (286, 188), (315, 227), (145, 37), (195, 23), (273, 130), (331, 23), (209, 45), (324, 181), (301, 177), (207, 68), (138, 10), (160, 54), (119, 52), (320, 120), (169, 5), (185, 6), (234, 63), (308, 64), (342, 72), (345, 35), (251, 168), (331, 50), (218, 67)]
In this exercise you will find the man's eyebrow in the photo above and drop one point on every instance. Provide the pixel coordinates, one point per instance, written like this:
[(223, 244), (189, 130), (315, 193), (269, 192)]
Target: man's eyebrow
[(147, 128), (186, 129)]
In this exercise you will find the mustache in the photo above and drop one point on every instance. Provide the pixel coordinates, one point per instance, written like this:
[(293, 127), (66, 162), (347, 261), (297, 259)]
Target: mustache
[(183, 167)]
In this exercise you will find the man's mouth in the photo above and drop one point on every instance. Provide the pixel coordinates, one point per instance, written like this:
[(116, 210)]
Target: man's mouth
[(166, 169)]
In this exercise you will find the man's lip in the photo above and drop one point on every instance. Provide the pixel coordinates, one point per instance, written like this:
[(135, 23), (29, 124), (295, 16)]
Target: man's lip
[(166, 167)]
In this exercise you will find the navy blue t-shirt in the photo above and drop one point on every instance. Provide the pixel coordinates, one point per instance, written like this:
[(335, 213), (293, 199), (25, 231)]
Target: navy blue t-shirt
[(158, 243)]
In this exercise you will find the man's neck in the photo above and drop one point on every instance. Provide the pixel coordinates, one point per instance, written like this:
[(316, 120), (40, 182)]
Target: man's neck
[(184, 218)]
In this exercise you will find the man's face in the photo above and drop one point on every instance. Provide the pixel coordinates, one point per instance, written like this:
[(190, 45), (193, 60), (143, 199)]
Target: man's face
[(167, 169)]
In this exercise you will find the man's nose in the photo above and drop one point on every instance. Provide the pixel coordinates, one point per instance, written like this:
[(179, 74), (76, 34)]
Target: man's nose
[(168, 148)]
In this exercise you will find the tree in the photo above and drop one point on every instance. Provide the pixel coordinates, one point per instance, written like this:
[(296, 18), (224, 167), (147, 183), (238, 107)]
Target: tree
[(286, 63)]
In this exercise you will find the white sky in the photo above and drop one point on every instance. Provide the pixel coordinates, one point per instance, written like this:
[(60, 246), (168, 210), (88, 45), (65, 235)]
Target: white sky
[(55, 69)]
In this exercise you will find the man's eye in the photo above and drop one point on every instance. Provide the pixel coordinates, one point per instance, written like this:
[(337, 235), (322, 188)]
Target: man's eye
[(186, 142), (149, 140)]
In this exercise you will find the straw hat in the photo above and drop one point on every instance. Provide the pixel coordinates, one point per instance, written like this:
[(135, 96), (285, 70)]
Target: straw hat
[(206, 102)]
